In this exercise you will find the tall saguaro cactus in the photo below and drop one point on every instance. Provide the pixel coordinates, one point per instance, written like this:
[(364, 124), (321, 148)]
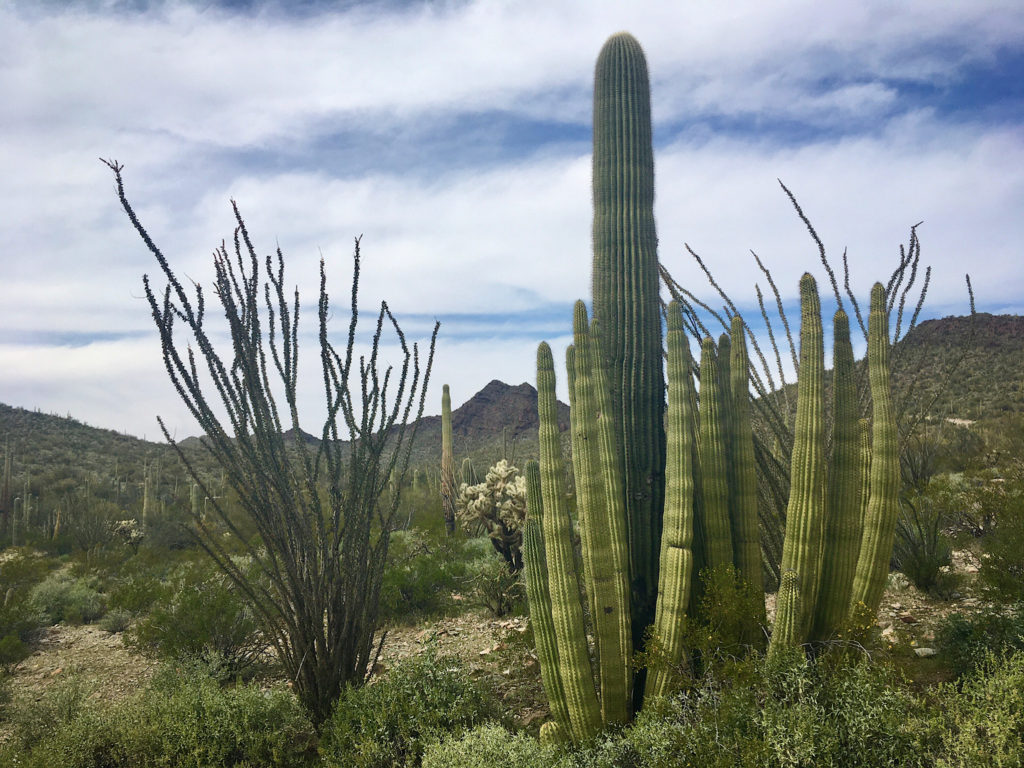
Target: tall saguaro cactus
[(625, 285), (448, 489)]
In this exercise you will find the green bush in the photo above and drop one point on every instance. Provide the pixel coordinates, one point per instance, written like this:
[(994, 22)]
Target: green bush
[(199, 614), (422, 574), (921, 548), (116, 620), (966, 641), (184, 720), (390, 722), (984, 720), (494, 587), (488, 746), (61, 597), (1001, 574)]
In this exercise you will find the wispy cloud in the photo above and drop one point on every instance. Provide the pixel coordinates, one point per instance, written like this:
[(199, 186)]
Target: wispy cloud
[(454, 137)]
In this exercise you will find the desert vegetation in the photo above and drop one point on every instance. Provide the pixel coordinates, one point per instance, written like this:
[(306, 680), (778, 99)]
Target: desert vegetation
[(702, 565)]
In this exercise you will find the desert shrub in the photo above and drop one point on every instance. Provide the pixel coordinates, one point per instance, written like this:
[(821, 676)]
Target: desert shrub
[(494, 587), (184, 719), (784, 712), (498, 505), (422, 574), (1001, 573), (138, 582), (488, 746), (39, 720), (61, 597), (116, 620), (921, 547), (966, 641), (200, 615), (390, 722), (984, 719)]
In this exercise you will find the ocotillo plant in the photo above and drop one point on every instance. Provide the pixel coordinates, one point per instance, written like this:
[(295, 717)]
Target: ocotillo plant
[(448, 488), (625, 287)]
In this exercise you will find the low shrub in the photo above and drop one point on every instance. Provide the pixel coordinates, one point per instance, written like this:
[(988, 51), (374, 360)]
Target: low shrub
[(184, 719), (61, 597), (199, 614), (494, 587), (390, 721), (921, 548), (984, 720), (488, 746), (423, 572), (116, 620), (966, 641)]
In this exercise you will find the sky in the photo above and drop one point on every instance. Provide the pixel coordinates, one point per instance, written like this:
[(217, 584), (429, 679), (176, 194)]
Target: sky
[(455, 139)]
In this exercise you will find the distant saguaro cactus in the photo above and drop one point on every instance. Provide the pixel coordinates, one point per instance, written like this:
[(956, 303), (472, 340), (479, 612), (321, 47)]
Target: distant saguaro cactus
[(448, 486)]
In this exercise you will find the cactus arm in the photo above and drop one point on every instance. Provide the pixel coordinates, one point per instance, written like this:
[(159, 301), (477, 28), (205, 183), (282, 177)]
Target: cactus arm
[(716, 535), (743, 476), (843, 497), (801, 551), (566, 608), (539, 598), (676, 569), (787, 633), (883, 500), (601, 512)]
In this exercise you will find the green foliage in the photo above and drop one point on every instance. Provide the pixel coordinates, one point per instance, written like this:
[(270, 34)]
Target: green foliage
[(494, 587), (199, 614), (921, 547), (488, 746), (785, 711), (20, 619), (61, 597), (983, 720), (184, 719), (966, 641), (115, 620), (1001, 574), (390, 722), (424, 571)]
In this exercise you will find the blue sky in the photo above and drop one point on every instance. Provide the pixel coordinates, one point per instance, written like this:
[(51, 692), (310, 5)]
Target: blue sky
[(455, 137)]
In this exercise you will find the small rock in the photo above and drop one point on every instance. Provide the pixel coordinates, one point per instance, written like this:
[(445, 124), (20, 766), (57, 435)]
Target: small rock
[(889, 634), (906, 618), (925, 652), (897, 606)]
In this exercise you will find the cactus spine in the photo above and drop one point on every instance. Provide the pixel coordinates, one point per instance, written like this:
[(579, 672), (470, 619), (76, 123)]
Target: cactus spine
[(447, 462), (805, 513), (883, 501), (566, 608), (602, 518), (843, 524), (625, 288)]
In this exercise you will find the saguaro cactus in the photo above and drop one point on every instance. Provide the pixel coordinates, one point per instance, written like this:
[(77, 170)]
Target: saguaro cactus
[(448, 489), (625, 285)]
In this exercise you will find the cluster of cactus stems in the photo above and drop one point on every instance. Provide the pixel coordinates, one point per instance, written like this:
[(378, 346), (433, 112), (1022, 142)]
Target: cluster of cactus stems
[(449, 490), (664, 495)]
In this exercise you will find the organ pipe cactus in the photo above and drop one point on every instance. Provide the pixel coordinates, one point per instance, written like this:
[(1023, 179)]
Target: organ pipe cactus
[(743, 475), (566, 608), (601, 511), (883, 500), (843, 523), (805, 514), (625, 286), (676, 572), (715, 530)]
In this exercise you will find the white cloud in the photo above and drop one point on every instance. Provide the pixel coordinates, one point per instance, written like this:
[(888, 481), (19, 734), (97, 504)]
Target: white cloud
[(181, 95)]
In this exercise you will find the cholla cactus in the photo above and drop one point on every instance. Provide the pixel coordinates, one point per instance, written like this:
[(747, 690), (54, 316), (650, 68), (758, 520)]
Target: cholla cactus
[(499, 504)]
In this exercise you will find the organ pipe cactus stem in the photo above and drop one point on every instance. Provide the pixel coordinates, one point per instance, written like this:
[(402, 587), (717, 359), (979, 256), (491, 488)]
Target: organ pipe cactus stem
[(716, 534), (805, 513), (883, 500), (843, 498), (626, 301), (787, 633), (448, 489), (746, 531), (566, 607), (538, 594), (602, 518), (676, 572)]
